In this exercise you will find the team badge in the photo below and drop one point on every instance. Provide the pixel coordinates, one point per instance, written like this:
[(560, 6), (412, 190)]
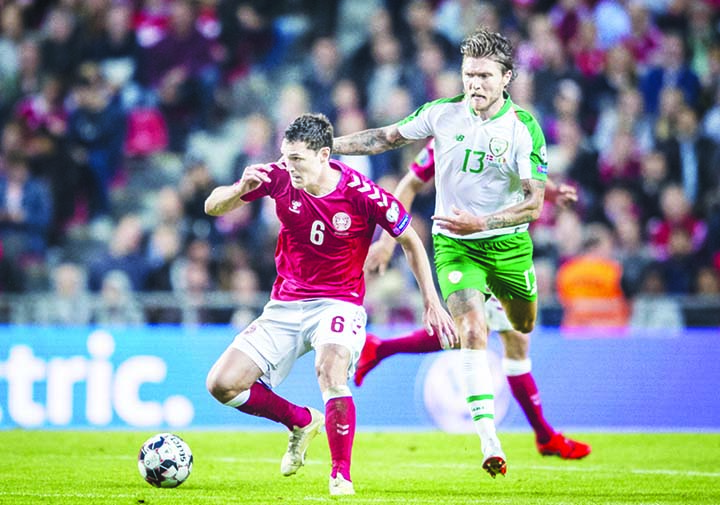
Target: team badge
[(295, 206), (543, 154), (455, 276), (393, 213), (498, 146), (341, 221)]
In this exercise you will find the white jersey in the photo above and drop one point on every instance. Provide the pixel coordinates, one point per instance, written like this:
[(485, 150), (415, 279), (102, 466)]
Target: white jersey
[(479, 164)]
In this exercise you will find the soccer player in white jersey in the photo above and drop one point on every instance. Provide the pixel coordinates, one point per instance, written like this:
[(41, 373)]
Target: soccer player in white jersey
[(516, 361), (328, 213), (490, 181)]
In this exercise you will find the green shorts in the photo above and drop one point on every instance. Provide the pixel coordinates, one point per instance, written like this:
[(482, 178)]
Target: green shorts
[(501, 264)]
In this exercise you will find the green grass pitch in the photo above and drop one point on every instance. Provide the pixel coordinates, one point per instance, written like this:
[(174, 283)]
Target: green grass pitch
[(63, 467)]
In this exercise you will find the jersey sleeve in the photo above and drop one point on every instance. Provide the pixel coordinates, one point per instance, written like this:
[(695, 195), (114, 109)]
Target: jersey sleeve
[(381, 206), (532, 154), (269, 188), (417, 125), (423, 166)]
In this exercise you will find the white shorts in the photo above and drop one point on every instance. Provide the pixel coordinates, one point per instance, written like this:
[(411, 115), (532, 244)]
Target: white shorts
[(495, 314), (287, 330)]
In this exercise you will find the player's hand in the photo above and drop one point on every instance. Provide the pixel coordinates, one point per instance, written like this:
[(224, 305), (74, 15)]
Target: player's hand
[(460, 223), (253, 176), (566, 196), (379, 256), (439, 323)]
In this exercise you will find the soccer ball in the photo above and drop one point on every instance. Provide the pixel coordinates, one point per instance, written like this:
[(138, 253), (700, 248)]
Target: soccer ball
[(165, 460)]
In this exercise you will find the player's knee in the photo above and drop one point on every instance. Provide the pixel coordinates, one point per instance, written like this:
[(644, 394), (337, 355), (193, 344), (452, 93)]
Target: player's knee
[(475, 337), (222, 390), (524, 325)]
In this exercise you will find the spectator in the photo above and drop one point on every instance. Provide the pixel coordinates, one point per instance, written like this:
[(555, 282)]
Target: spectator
[(247, 297), (652, 308), (654, 176), (673, 70), (632, 252), (195, 184), (589, 285), (707, 282), (12, 32), (60, 46), (321, 73), (25, 211), (116, 305), (645, 38), (418, 30), (181, 73), (680, 268), (168, 210), (676, 214), (32, 68), (117, 51), (692, 158), (602, 92), (124, 252), (96, 134), (621, 163), (671, 103), (69, 302), (163, 250), (626, 114)]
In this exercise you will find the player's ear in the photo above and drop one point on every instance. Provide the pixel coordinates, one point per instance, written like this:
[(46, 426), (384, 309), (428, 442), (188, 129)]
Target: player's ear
[(324, 154)]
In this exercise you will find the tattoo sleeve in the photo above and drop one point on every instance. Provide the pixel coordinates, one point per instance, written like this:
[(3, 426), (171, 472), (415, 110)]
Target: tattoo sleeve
[(526, 211), (373, 141)]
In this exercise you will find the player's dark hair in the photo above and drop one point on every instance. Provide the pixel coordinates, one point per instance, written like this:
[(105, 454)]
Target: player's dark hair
[(313, 129), (487, 44)]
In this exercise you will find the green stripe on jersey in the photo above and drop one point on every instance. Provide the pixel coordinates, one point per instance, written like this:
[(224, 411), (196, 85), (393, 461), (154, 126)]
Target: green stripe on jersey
[(538, 156), (454, 99)]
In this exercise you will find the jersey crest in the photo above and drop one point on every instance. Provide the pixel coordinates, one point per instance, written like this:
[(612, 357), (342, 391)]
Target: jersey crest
[(341, 221)]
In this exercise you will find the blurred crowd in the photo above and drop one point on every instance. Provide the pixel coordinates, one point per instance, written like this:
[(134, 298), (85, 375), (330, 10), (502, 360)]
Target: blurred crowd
[(117, 118)]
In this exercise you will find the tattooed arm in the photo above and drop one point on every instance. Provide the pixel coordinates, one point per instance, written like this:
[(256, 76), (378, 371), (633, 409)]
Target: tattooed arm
[(373, 141), (464, 223)]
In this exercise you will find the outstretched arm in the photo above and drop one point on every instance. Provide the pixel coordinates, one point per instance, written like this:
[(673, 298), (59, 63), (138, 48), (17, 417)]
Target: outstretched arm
[(464, 223), (382, 249), (373, 141), (223, 199), (437, 320), (562, 195)]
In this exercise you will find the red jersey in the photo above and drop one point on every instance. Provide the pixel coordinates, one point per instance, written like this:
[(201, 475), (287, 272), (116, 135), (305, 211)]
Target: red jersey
[(424, 163), (324, 240)]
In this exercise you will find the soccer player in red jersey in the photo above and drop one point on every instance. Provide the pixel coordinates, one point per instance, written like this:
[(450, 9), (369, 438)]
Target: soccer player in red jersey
[(328, 213), (516, 361)]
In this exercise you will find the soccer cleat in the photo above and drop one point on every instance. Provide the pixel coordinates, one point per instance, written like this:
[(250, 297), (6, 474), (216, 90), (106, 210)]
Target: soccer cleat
[(494, 462), (298, 442), (564, 447), (368, 358), (495, 465), (340, 486)]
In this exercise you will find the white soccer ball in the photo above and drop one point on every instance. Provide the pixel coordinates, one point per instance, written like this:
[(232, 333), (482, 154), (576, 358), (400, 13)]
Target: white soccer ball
[(165, 460)]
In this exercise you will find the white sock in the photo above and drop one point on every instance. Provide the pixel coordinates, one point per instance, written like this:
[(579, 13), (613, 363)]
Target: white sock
[(239, 399), (479, 393)]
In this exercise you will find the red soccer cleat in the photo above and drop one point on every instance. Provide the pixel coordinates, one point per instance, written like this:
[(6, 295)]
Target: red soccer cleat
[(368, 358), (495, 465), (564, 447)]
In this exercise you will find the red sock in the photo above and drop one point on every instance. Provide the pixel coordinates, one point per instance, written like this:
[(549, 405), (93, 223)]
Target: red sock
[(526, 393), (417, 342), (264, 403), (340, 428)]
